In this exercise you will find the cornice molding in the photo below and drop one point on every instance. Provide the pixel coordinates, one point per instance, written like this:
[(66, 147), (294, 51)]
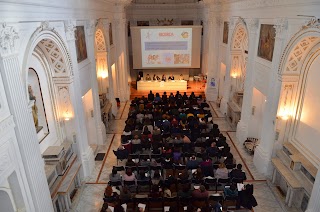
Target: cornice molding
[(8, 38)]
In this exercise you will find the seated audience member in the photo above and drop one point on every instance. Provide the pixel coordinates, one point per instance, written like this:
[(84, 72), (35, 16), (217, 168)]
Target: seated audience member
[(136, 140), (150, 96), (114, 176), (167, 162), (125, 194), (171, 77), (155, 191), (212, 150), (198, 175), (136, 131), (185, 192), (164, 97), (246, 198), (221, 172), (192, 163), (229, 159), (166, 192), (130, 162), (156, 177), (156, 131), (184, 175), (142, 176), (148, 78), (206, 166), (121, 152), (176, 155), (238, 173), (164, 78), (129, 176), (157, 98), (200, 192), (230, 191), (186, 139)]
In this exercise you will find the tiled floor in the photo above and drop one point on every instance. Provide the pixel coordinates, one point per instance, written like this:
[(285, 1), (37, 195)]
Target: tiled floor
[(90, 195)]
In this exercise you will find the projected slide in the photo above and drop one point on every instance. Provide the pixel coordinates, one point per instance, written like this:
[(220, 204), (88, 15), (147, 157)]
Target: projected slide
[(166, 47)]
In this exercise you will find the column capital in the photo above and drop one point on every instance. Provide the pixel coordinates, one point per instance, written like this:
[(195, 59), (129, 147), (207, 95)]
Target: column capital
[(281, 25), (91, 26), (252, 24), (70, 27), (8, 38)]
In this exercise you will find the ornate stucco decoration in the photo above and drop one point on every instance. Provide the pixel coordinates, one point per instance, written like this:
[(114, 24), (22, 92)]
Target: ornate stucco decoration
[(70, 27), (280, 25), (7, 124), (252, 24), (91, 26), (8, 37), (165, 22), (314, 22), (52, 48)]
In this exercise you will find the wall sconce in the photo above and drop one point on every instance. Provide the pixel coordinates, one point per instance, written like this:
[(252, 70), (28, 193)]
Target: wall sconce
[(67, 116), (104, 74), (234, 75), (284, 114)]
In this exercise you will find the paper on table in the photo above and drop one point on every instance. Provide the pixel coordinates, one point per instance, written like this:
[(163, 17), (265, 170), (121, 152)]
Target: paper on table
[(196, 187), (193, 171), (185, 208), (240, 186), (124, 207), (166, 208), (143, 206)]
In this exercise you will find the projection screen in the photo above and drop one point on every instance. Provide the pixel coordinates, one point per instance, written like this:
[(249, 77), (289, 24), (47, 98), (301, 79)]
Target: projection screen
[(157, 47)]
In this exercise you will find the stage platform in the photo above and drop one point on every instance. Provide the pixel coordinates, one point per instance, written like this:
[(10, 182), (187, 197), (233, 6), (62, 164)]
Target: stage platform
[(196, 87), (173, 85)]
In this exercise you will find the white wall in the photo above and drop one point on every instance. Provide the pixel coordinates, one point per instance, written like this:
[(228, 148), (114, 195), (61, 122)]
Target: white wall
[(255, 124), (308, 130), (88, 110)]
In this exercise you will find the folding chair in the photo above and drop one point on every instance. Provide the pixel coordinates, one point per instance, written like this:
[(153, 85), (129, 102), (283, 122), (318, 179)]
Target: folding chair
[(211, 183), (143, 186), (221, 183), (115, 183)]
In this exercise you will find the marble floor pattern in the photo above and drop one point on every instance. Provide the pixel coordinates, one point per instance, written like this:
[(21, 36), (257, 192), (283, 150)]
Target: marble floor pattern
[(89, 197)]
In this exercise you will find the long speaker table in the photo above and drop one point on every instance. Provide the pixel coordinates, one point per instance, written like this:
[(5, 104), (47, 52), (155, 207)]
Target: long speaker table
[(175, 85)]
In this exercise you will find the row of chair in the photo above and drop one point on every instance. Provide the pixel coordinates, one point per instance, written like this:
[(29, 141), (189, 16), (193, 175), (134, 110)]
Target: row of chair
[(212, 184), (159, 203)]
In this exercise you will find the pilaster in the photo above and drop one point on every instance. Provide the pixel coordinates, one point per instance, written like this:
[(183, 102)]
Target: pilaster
[(122, 60), (212, 52), (24, 130), (314, 203), (225, 99), (84, 150), (91, 27), (263, 153), (242, 127)]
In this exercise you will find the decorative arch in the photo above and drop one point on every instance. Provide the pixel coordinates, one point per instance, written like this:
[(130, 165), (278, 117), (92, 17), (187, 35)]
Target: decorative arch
[(240, 37), (54, 49), (296, 49), (302, 50), (100, 41)]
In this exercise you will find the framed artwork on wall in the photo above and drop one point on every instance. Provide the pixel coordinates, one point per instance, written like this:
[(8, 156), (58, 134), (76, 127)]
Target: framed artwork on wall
[(225, 32), (110, 34), (266, 41), (81, 47)]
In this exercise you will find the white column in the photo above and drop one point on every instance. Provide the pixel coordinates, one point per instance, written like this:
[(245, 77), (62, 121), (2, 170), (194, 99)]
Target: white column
[(212, 35), (314, 203), (25, 130), (263, 153), (94, 82), (225, 99), (242, 127), (86, 153), (105, 25), (122, 62)]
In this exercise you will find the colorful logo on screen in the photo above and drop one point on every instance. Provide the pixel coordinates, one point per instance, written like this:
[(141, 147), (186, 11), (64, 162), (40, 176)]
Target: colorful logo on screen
[(184, 34)]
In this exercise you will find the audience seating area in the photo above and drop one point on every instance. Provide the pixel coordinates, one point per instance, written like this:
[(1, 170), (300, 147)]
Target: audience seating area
[(172, 158)]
